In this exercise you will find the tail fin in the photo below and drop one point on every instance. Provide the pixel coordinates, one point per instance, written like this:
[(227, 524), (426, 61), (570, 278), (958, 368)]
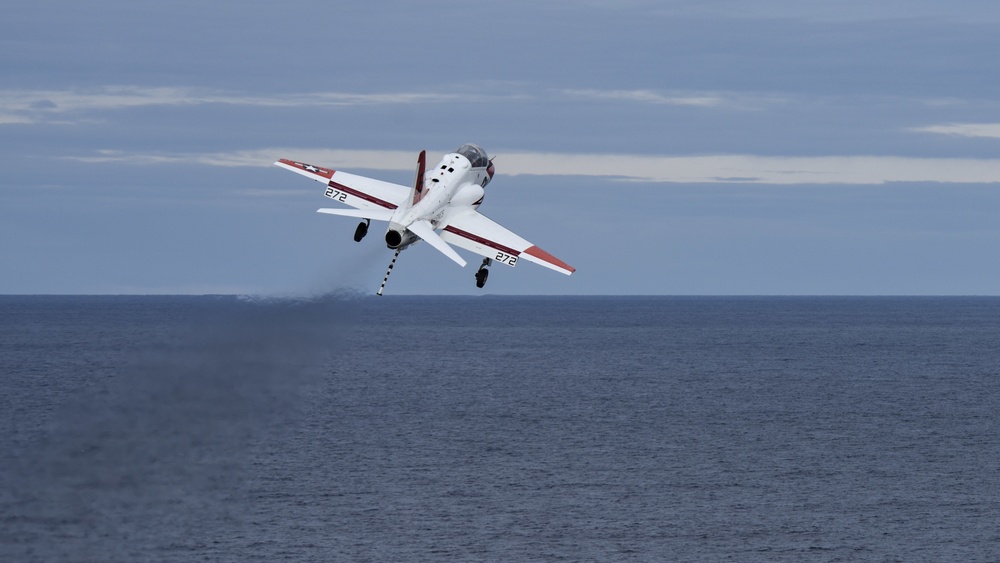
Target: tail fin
[(418, 182)]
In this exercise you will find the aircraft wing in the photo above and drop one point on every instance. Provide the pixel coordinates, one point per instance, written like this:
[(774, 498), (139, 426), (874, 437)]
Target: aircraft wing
[(357, 191), (474, 231)]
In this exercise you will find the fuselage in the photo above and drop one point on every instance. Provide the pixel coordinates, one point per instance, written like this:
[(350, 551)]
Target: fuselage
[(455, 185)]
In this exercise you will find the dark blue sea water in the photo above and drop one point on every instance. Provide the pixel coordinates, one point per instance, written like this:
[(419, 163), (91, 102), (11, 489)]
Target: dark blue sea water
[(500, 429)]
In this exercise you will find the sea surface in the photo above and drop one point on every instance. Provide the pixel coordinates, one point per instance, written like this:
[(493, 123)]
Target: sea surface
[(499, 429)]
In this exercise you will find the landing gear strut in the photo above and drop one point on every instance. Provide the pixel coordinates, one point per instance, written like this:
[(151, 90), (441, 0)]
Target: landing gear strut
[(483, 273), (362, 230)]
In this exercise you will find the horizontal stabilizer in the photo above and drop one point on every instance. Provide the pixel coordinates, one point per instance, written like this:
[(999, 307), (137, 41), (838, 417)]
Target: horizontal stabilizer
[(425, 230), (373, 214)]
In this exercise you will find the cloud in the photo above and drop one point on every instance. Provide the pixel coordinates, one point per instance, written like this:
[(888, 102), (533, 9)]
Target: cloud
[(123, 97), (718, 100), (990, 130), (758, 169), (56, 106), (11, 119), (972, 11), (375, 160), (37, 106), (737, 169), (647, 96)]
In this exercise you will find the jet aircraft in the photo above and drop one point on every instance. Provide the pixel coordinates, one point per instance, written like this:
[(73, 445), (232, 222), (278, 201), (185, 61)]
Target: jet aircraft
[(441, 208)]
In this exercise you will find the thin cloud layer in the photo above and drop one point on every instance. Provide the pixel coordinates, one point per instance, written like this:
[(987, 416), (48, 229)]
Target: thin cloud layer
[(34, 106), (715, 169), (988, 130), (46, 106), (648, 97), (374, 160)]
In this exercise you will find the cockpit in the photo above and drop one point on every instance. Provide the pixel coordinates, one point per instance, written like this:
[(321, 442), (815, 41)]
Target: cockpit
[(475, 154)]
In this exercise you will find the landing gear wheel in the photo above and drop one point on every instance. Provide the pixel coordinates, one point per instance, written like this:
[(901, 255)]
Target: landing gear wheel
[(362, 230), (483, 273), (481, 276)]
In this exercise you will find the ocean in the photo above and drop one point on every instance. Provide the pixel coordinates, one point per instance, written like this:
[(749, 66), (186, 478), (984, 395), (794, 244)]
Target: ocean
[(351, 428)]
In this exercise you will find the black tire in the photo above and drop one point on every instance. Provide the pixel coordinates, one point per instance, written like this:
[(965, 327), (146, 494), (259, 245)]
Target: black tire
[(481, 276), (360, 232)]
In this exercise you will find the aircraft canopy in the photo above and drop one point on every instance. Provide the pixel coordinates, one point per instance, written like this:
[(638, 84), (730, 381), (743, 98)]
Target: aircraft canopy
[(475, 154)]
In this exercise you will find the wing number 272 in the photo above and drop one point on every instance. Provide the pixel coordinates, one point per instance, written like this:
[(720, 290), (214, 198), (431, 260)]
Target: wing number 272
[(508, 259), (336, 194)]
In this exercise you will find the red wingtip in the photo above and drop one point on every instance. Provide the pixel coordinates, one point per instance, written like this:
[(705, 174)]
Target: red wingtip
[(542, 255), (317, 170)]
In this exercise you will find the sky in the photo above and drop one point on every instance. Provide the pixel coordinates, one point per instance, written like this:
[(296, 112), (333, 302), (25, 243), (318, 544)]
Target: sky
[(732, 147)]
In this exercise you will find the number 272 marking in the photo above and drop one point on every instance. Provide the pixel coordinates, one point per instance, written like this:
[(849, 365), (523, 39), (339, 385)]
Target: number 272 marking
[(336, 194), (508, 259)]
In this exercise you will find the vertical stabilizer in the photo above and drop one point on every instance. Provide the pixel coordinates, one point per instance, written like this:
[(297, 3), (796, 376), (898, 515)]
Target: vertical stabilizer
[(418, 182)]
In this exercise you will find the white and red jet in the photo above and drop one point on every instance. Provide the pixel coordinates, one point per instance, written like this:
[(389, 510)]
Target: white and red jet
[(443, 199)]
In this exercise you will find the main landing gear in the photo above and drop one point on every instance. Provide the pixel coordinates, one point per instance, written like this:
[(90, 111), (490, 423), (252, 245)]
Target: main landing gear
[(362, 230), (483, 273)]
